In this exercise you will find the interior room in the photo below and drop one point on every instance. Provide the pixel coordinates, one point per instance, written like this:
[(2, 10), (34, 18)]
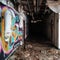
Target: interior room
[(42, 30), (33, 30)]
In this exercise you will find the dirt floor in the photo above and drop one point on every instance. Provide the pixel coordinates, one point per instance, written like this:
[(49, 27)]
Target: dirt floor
[(36, 51)]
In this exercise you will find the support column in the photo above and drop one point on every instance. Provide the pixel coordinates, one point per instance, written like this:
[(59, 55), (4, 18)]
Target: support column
[(59, 32)]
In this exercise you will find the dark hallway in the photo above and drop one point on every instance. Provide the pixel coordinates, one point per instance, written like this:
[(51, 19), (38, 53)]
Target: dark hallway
[(42, 32)]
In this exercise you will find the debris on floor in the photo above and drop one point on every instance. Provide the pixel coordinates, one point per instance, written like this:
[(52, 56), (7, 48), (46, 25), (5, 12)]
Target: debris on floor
[(36, 51)]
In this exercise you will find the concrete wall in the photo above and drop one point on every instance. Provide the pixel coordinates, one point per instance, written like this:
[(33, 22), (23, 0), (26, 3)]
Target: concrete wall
[(49, 26), (52, 28), (56, 30)]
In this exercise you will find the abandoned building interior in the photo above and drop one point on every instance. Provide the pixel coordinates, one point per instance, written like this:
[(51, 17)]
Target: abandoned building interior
[(43, 19), (43, 29)]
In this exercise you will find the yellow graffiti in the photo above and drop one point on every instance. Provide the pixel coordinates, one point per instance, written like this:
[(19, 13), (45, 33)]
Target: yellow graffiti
[(4, 43), (14, 35)]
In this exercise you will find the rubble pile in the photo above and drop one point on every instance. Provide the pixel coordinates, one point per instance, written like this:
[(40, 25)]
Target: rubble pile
[(36, 51)]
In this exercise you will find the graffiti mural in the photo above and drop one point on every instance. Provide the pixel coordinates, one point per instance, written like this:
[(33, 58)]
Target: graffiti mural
[(11, 34)]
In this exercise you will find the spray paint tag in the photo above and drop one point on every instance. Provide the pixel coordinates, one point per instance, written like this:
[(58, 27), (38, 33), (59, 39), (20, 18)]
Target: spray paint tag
[(11, 33)]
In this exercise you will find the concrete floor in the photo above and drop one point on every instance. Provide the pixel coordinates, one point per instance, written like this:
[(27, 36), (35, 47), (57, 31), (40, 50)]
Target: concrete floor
[(36, 49)]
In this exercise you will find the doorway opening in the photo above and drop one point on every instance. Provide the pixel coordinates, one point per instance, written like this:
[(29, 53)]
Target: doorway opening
[(42, 25)]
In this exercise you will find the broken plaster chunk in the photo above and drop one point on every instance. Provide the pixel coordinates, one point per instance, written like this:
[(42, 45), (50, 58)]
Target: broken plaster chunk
[(26, 54), (29, 46)]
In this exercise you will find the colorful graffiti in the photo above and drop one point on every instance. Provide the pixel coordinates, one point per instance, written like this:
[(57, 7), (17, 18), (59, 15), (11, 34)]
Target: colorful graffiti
[(10, 32)]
